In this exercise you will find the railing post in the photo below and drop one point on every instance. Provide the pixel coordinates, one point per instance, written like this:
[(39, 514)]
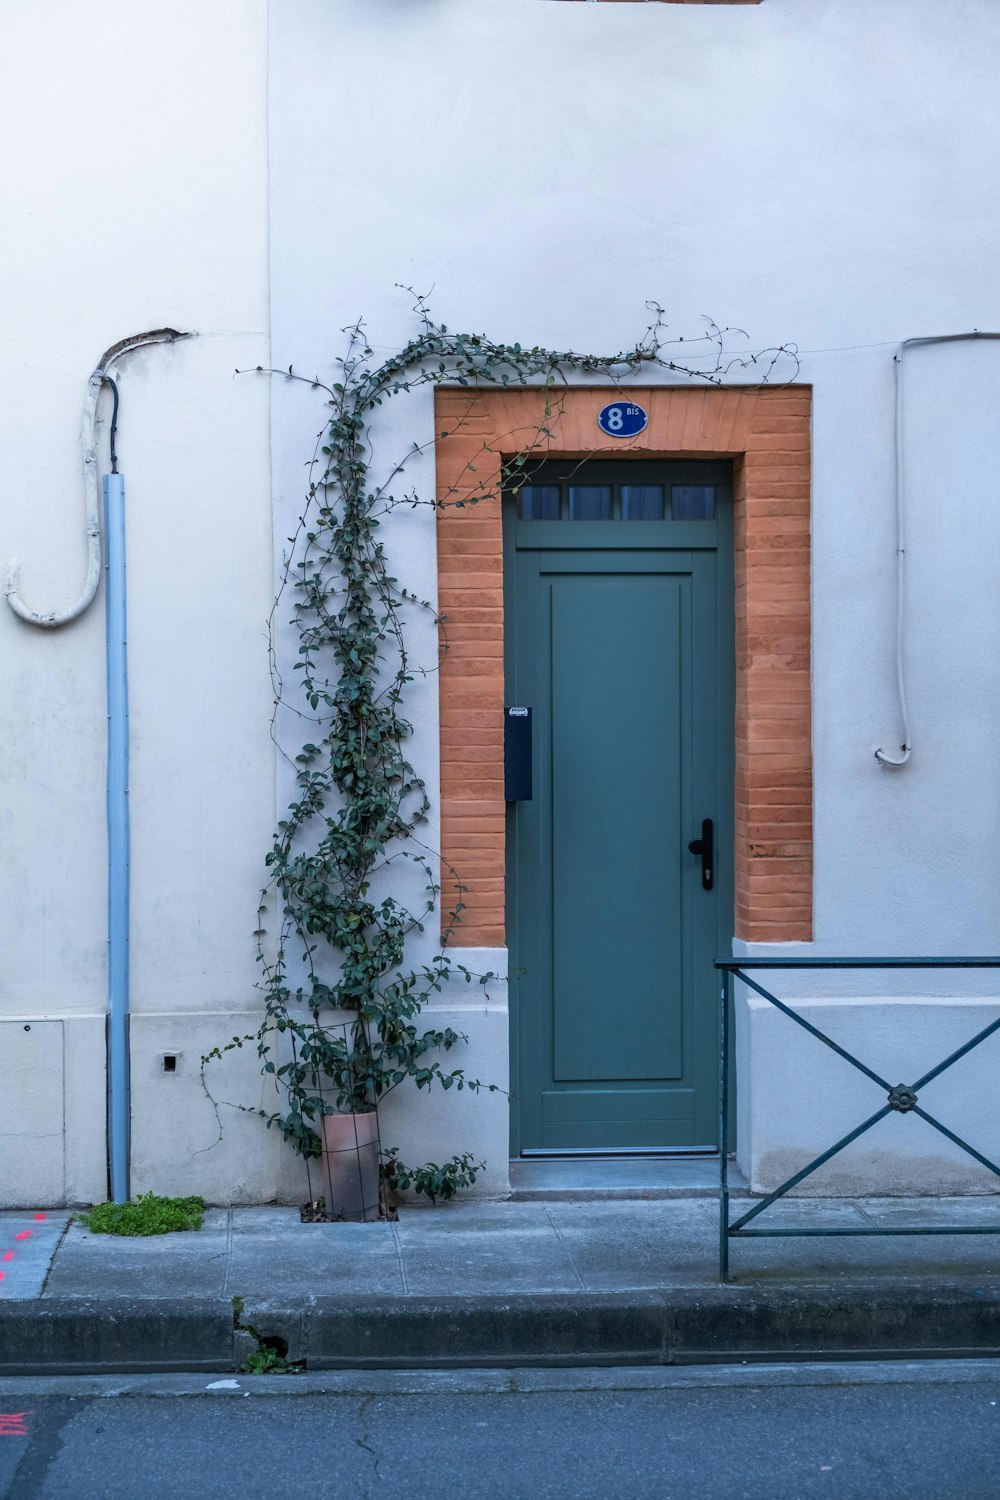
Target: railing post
[(724, 1128)]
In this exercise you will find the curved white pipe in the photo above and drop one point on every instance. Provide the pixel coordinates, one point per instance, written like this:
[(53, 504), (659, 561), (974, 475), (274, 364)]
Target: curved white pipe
[(891, 761), (62, 617), (49, 620)]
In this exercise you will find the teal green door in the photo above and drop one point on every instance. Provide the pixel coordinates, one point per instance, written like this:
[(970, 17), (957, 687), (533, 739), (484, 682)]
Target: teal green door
[(619, 639)]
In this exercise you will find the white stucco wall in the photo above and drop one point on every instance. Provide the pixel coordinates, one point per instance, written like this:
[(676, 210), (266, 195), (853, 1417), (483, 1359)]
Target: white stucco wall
[(820, 171), (133, 186)]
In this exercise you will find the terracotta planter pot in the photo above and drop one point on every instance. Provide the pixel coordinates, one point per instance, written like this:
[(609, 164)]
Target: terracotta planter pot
[(350, 1166)]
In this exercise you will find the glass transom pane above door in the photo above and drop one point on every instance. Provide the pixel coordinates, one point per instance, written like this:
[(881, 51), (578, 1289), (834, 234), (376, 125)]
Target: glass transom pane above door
[(642, 502), (589, 502), (692, 502), (671, 492), (538, 502)]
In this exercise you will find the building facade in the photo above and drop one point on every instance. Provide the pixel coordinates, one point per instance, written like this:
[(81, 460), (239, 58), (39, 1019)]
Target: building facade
[(702, 617)]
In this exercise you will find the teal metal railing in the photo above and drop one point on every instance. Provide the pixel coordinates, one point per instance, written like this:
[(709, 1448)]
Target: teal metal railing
[(901, 1098)]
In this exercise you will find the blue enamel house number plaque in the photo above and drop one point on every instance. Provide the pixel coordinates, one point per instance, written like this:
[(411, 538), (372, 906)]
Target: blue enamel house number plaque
[(622, 419)]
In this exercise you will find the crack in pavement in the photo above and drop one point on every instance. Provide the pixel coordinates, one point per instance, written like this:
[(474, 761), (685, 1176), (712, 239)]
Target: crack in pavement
[(365, 1445), (45, 1437)]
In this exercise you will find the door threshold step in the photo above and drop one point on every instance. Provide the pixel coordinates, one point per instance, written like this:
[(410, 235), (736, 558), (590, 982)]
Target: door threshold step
[(594, 1178)]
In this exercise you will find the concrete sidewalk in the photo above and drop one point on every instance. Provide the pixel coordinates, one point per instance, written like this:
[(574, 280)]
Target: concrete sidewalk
[(536, 1282)]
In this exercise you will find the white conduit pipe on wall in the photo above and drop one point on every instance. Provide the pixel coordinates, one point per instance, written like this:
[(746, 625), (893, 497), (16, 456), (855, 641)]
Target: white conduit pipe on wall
[(49, 620), (119, 1106), (53, 618), (889, 761)]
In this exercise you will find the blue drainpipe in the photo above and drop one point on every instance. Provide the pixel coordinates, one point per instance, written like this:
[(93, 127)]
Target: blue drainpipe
[(117, 680), (118, 836)]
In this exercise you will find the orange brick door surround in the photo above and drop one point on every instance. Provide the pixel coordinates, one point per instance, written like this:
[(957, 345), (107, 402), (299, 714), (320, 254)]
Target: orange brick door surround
[(766, 432)]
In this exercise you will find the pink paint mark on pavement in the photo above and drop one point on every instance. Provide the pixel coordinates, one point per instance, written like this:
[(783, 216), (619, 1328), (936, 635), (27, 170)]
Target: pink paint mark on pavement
[(39, 1217), (9, 1254), (25, 1234), (14, 1423)]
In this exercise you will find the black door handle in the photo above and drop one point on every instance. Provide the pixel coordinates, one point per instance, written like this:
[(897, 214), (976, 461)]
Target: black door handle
[(705, 846)]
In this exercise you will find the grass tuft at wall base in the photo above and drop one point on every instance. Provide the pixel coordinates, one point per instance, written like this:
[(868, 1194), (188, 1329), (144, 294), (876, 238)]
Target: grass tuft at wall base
[(149, 1214)]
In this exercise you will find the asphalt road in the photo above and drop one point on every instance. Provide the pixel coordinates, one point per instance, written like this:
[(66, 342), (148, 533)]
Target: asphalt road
[(928, 1431)]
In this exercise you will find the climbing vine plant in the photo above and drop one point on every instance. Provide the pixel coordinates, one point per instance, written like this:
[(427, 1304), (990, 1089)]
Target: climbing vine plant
[(360, 805)]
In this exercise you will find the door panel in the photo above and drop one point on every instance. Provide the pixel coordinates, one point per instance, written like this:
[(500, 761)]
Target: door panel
[(616, 824), (616, 648)]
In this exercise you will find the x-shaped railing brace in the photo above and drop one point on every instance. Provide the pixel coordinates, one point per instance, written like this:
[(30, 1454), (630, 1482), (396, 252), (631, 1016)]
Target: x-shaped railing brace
[(901, 1098)]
